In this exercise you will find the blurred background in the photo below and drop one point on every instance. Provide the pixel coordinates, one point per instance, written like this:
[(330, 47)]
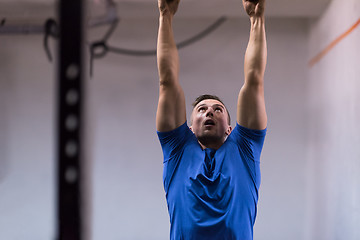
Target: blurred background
[(311, 158)]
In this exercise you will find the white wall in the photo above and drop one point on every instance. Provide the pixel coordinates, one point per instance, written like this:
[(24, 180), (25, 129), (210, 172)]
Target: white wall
[(334, 140), (128, 197), (27, 204), (3, 125)]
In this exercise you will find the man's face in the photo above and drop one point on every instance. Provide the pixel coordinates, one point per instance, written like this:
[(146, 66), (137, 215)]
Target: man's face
[(210, 121)]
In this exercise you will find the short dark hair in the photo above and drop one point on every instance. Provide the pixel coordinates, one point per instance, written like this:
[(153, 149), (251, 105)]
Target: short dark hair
[(209, 96)]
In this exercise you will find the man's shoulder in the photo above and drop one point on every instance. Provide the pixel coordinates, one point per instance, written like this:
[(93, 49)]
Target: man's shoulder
[(177, 137), (241, 131)]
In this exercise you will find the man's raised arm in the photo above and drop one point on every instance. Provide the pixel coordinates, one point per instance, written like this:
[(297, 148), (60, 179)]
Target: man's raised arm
[(251, 111), (171, 111)]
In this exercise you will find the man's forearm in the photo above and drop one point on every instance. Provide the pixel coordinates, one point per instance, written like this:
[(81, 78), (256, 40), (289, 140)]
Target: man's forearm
[(167, 54), (256, 52)]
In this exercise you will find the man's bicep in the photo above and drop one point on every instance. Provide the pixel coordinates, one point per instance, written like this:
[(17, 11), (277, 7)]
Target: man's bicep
[(171, 111), (251, 112)]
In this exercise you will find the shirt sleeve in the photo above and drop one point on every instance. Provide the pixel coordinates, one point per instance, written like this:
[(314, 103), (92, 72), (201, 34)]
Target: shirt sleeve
[(173, 144), (249, 140), (173, 141), (250, 143)]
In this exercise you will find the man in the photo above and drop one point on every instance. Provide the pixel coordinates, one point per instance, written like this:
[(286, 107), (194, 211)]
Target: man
[(211, 172)]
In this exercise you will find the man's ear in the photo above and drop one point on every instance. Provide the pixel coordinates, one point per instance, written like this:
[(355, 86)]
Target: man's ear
[(228, 131)]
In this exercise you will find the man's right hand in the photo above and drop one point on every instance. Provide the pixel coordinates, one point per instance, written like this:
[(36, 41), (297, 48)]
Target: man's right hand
[(168, 6), (254, 8)]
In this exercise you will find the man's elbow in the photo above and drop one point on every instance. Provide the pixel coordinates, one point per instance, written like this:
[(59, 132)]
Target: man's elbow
[(167, 79), (254, 78)]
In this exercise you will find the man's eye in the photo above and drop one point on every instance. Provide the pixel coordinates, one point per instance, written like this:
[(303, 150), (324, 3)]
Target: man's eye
[(218, 110), (202, 109)]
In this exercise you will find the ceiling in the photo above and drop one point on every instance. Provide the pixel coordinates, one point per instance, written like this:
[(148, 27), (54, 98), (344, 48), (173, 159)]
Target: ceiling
[(33, 10), (230, 8)]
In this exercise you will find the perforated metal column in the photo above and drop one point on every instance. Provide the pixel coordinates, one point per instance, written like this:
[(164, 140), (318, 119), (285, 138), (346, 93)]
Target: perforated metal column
[(70, 119)]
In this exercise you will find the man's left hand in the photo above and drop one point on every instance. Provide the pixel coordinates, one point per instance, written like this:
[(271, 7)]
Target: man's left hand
[(254, 8)]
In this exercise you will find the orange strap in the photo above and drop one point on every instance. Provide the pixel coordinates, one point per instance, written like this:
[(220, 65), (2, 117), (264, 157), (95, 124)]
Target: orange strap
[(317, 58)]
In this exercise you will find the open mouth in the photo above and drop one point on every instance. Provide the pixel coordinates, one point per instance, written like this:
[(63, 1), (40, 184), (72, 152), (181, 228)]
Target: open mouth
[(209, 122)]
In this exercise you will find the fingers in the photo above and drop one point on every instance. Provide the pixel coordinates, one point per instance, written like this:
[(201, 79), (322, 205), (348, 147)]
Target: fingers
[(262, 3), (260, 8), (168, 6), (254, 7), (255, 1), (251, 1)]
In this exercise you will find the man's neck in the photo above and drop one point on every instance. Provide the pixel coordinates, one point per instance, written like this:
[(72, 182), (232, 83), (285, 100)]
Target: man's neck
[(213, 145)]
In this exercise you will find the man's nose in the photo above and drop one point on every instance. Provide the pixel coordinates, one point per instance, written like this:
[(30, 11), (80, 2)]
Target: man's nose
[(210, 112)]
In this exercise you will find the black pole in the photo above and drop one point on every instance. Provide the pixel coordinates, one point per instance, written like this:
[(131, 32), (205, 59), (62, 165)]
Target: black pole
[(70, 120)]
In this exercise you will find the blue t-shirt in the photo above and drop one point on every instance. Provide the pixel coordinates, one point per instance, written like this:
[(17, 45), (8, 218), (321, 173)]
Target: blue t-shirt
[(212, 194)]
